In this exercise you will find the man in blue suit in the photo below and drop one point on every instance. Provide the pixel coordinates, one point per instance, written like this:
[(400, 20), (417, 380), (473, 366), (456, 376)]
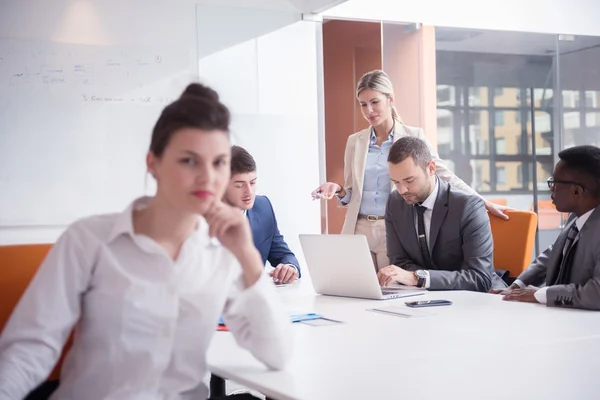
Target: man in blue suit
[(241, 193)]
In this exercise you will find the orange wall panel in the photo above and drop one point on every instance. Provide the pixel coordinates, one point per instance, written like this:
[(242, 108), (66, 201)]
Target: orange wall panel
[(349, 50)]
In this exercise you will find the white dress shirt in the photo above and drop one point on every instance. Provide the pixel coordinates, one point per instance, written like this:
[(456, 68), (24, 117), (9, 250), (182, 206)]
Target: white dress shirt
[(540, 294), (429, 203), (143, 322)]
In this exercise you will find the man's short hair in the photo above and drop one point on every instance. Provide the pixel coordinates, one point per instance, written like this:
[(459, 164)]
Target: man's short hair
[(584, 161), (409, 146), (241, 161)]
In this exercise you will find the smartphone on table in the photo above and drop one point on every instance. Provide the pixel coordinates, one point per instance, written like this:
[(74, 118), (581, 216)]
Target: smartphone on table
[(428, 303)]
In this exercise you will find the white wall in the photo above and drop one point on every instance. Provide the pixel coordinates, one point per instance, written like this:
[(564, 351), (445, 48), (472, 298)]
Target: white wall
[(578, 17), (264, 66)]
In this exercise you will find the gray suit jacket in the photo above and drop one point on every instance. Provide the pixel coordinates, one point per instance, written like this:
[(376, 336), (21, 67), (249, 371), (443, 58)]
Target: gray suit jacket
[(583, 290), (460, 241)]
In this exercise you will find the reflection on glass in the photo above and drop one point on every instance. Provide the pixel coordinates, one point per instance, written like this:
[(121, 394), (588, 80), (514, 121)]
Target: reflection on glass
[(480, 178), (544, 170), (525, 175), (592, 131), (543, 97), (572, 119), (445, 129), (571, 123), (544, 138), (592, 119), (591, 98), (509, 176), (478, 96), (477, 130), (570, 98), (506, 97), (446, 95), (507, 132)]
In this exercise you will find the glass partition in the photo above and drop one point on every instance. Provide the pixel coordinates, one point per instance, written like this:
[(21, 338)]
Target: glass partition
[(263, 64), (579, 77), (496, 124)]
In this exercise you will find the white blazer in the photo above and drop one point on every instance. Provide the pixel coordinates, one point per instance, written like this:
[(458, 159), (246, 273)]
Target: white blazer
[(355, 159)]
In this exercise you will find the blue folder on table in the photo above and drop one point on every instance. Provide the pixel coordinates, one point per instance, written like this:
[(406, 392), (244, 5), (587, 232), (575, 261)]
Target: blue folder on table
[(293, 317)]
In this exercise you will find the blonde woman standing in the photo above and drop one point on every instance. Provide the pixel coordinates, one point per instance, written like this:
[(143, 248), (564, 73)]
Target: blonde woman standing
[(366, 178)]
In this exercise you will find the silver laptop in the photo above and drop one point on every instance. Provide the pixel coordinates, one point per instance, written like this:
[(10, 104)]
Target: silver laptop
[(341, 265)]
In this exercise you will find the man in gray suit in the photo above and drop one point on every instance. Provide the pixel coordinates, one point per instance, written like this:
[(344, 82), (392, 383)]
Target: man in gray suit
[(569, 270), (438, 237)]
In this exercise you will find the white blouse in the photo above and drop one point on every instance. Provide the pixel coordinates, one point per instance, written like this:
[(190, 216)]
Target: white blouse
[(143, 322)]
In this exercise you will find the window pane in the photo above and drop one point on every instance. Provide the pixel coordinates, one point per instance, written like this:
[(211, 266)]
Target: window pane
[(509, 176), (500, 176), (461, 166), (544, 138), (478, 96), (480, 180), (592, 119), (445, 129), (500, 146), (525, 174), (570, 98), (543, 97), (478, 132), (591, 98), (499, 118), (506, 97), (445, 95), (571, 125), (591, 134), (509, 131), (545, 166)]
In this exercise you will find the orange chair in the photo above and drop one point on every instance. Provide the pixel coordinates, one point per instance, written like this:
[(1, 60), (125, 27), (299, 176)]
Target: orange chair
[(18, 265), (514, 241)]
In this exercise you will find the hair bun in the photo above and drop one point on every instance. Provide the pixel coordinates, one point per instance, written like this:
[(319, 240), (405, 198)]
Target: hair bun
[(200, 91)]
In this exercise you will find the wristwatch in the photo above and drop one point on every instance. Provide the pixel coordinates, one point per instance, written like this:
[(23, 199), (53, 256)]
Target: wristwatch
[(421, 278)]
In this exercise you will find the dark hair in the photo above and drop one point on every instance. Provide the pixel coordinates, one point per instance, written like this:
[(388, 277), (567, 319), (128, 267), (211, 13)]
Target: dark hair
[(584, 161), (412, 147), (241, 161), (197, 107)]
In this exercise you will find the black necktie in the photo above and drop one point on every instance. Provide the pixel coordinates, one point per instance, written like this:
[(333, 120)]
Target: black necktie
[(562, 276), (422, 237)]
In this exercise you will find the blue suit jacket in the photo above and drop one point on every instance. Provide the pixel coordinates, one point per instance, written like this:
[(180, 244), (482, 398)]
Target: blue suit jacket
[(267, 238)]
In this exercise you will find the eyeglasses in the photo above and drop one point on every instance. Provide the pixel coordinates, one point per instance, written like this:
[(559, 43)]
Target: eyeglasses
[(552, 182)]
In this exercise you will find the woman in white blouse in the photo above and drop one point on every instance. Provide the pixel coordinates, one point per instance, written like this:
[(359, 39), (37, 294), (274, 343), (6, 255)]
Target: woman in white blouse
[(366, 178), (144, 288)]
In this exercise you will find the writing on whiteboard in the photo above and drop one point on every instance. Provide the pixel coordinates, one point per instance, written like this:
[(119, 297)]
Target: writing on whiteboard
[(91, 98), (69, 68)]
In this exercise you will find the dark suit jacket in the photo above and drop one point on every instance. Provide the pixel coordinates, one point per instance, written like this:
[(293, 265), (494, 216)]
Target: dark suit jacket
[(460, 241), (583, 289), (267, 239)]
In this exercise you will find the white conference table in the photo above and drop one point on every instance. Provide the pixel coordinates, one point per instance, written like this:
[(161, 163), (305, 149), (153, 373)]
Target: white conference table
[(481, 347)]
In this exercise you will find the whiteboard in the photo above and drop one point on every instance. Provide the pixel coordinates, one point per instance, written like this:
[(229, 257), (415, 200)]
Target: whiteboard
[(75, 126)]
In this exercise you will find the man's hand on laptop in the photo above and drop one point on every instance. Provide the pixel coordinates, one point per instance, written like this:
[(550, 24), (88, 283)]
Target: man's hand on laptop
[(284, 273), (392, 273)]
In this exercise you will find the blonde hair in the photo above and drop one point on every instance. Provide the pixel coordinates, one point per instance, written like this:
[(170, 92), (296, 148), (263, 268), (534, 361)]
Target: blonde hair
[(379, 81)]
